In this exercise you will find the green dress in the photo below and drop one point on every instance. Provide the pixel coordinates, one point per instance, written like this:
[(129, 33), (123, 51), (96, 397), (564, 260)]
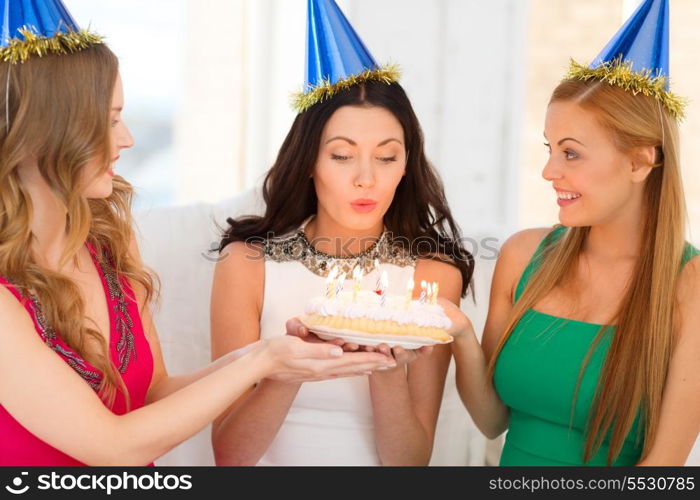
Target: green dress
[(536, 375)]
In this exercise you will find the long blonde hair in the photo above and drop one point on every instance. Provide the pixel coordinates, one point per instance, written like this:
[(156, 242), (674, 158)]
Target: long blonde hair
[(634, 372), (57, 108)]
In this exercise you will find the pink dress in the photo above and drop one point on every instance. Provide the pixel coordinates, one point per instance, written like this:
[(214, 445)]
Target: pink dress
[(129, 351)]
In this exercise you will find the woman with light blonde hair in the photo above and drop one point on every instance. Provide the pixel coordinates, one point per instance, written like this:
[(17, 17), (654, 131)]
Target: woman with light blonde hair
[(82, 379), (590, 350)]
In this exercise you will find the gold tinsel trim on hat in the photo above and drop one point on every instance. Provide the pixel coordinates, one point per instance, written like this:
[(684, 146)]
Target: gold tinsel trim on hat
[(302, 101), (618, 72), (34, 44)]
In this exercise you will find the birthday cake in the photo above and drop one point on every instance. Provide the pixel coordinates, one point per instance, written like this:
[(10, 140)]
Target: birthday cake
[(366, 313), (379, 312)]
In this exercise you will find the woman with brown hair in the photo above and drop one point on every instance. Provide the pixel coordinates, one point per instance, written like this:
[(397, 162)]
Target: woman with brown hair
[(82, 379), (590, 349), (351, 186)]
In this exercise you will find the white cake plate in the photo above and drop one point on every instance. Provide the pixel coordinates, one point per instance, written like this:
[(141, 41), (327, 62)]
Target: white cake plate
[(374, 339)]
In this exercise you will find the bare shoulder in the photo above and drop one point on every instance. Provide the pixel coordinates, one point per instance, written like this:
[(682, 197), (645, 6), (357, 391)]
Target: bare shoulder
[(8, 301), (240, 268), (13, 315), (242, 256), (18, 331), (513, 258), (437, 267), (446, 274), (242, 251), (521, 246), (238, 279)]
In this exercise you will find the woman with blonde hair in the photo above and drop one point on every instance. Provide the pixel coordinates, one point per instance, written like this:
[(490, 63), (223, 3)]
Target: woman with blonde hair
[(590, 350), (82, 379)]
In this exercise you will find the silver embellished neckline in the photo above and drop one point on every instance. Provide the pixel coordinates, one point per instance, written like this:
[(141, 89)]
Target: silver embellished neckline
[(297, 248)]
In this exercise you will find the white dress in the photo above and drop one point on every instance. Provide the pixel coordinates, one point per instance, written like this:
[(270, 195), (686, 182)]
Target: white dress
[(330, 422)]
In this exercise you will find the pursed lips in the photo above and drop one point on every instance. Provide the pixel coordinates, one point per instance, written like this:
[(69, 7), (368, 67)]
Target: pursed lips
[(363, 205)]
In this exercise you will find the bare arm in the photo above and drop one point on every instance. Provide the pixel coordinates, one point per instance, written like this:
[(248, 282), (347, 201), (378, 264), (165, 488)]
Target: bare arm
[(475, 387), (679, 422), (406, 400)]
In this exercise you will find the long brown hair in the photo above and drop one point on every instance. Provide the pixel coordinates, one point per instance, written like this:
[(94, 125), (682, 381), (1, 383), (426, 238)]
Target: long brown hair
[(418, 212), (57, 109), (634, 373)]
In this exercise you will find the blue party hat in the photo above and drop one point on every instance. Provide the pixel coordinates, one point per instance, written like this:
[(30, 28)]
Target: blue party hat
[(39, 27), (336, 58), (636, 58)]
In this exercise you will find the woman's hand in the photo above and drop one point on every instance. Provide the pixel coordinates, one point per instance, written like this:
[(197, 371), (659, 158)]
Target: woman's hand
[(401, 355), (461, 325), (297, 328), (294, 359)]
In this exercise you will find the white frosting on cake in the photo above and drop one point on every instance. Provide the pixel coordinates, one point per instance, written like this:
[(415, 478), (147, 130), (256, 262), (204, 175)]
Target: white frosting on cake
[(368, 305)]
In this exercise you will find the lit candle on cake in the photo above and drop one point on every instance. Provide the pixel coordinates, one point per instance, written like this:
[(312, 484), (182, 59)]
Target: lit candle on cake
[(340, 285), (357, 279), (423, 291), (434, 295), (409, 293), (384, 287), (377, 267), (330, 282)]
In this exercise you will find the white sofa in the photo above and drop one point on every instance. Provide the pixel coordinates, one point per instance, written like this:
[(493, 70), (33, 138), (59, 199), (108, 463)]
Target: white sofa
[(174, 242)]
